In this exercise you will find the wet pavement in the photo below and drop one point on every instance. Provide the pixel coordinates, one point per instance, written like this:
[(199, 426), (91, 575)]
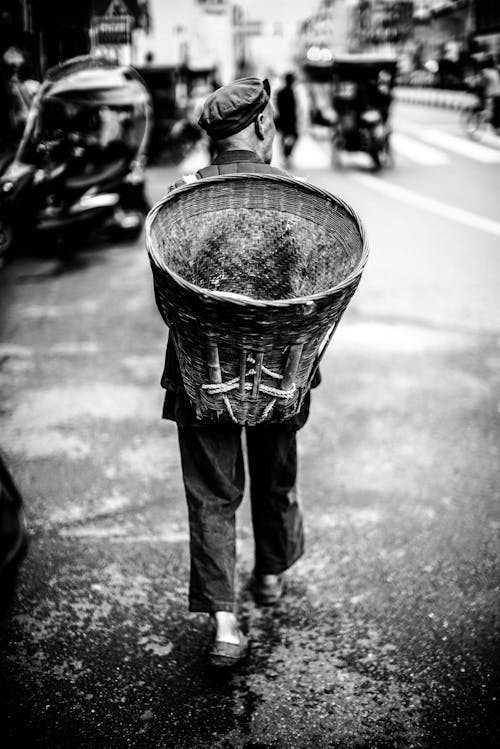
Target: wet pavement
[(388, 633)]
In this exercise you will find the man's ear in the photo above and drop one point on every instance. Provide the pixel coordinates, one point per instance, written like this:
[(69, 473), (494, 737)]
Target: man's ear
[(259, 127)]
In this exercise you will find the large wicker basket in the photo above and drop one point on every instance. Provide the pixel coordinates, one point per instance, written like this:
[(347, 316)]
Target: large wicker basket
[(252, 274)]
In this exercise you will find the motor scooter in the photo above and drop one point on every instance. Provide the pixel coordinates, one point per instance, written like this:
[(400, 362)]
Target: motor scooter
[(358, 92), (362, 99), (361, 131), (480, 118), (81, 161)]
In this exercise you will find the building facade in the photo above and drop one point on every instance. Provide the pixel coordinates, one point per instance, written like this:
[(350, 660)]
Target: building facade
[(487, 25), (381, 25), (50, 31), (194, 33)]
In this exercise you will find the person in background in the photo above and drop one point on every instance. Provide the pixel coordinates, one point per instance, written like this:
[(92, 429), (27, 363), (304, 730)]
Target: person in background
[(384, 94), (239, 120), (13, 534), (286, 121), (16, 95), (490, 83)]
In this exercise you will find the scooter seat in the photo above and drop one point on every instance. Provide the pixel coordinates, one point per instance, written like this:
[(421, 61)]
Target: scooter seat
[(111, 171)]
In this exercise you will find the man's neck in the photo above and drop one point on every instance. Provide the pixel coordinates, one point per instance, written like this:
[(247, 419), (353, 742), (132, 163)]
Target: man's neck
[(237, 154)]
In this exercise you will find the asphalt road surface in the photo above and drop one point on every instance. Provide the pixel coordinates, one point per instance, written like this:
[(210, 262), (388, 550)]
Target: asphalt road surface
[(388, 635)]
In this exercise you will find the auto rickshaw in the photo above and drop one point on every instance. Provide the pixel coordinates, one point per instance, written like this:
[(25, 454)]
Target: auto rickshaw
[(81, 161), (352, 96)]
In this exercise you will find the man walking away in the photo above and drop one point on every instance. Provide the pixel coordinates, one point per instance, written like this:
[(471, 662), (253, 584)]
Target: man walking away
[(239, 119)]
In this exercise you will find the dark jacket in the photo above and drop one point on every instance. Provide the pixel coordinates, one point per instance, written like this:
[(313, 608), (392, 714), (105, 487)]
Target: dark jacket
[(176, 406)]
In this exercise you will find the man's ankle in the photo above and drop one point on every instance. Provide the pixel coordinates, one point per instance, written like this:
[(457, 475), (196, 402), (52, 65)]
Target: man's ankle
[(226, 626), (269, 578)]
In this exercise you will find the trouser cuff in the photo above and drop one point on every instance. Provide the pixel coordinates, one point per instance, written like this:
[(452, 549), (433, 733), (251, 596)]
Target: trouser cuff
[(278, 569), (195, 605)]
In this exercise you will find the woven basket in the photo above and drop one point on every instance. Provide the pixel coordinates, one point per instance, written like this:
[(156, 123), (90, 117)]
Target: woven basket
[(252, 274)]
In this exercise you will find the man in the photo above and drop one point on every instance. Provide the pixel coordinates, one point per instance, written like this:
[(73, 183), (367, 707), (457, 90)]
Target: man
[(239, 119), (287, 117), (16, 95)]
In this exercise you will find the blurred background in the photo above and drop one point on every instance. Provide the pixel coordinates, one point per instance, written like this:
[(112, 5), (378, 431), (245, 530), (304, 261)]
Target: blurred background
[(255, 36), (184, 49)]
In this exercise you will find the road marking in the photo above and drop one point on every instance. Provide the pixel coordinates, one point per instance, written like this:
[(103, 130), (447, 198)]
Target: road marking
[(417, 151), (462, 146), (429, 204), (310, 153)]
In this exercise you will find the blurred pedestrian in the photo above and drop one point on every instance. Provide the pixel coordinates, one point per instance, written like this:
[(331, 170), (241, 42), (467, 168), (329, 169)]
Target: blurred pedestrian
[(16, 95), (383, 95), (286, 121), (239, 119), (13, 536), (490, 82)]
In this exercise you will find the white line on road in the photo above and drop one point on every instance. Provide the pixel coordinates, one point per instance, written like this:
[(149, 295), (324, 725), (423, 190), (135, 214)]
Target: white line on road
[(416, 151), (310, 153), (429, 204), (461, 146)]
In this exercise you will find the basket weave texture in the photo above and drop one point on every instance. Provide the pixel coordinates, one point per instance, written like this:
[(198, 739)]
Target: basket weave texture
[(252, 274)]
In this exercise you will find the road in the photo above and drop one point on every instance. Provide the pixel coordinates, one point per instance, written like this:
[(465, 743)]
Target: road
[(388, 636)]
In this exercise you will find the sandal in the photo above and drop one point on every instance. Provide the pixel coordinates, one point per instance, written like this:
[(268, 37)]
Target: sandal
[(226, 654), (267, 589)]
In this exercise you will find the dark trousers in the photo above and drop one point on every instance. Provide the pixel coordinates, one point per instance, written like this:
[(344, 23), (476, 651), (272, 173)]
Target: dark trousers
[(214, 479), (288, 141)]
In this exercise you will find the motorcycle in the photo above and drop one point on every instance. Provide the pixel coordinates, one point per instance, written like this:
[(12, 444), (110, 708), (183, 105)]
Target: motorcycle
[(81, 161), (478, 120), (359, 90)]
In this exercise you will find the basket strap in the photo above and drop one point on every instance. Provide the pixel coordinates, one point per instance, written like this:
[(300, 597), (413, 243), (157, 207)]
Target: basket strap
[(238, 167), (208, 171), (323, 346)]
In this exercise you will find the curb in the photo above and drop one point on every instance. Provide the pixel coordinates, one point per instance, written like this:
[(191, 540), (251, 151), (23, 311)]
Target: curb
[(434, 97)]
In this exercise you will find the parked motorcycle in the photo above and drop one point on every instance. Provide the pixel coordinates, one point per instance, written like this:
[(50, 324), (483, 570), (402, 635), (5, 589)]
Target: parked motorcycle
[(81, 160), (478, 120), (482, 116)]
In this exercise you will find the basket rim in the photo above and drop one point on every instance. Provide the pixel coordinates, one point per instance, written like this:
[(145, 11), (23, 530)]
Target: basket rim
[(243, 299)]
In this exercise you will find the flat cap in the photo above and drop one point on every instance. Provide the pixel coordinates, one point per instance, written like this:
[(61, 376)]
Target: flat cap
[(231, 108)]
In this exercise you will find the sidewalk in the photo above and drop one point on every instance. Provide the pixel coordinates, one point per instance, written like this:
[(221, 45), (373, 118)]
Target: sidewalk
[(434, 97)]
